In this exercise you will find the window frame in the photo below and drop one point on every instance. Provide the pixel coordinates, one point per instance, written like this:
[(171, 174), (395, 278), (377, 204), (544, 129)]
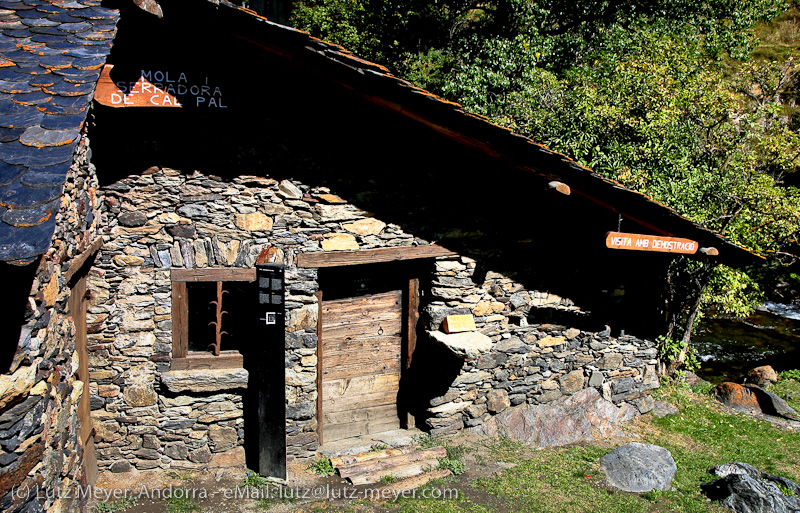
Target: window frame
[(182, 358)]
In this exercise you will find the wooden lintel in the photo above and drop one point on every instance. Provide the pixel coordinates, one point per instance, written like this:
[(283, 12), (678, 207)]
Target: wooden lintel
[(81, 259), (560, 187), (370, 256), (213, 274), (318, 295), (709, 251), (198, 361)]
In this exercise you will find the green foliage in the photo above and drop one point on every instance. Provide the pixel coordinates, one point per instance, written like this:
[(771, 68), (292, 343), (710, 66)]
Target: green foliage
[(321, 467), (254, 480), (180, 502), (456, 466), (388, 478), (790, 374), (117, 505), (378, 447), (670, 350)]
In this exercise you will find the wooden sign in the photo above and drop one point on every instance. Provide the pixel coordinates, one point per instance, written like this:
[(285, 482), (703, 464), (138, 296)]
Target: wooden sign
[(458, 323), (638, 242), (157, 88)]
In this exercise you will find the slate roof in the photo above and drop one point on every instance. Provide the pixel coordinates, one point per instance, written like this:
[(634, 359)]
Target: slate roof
[(51, 54)]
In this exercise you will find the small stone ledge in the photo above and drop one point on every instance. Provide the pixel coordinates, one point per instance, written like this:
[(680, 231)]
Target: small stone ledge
[(204, 380), (467, 345)]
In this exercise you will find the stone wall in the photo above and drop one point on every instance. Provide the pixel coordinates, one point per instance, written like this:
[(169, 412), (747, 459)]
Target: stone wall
[(528, 362), (147, 415), (41, 457)]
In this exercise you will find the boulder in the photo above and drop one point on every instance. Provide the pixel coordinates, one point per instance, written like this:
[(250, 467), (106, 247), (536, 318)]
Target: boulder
[(771, 404), (745, 489), (761, 376), (736, 396), (638, 467), (662, 409), (580, 417), (467, 345)]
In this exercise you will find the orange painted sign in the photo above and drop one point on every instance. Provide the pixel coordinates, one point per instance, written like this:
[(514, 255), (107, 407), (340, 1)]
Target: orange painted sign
[(157, 89), (638, 242)]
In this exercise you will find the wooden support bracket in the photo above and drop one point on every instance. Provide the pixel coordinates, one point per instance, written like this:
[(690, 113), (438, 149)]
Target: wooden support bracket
[(560, 187)]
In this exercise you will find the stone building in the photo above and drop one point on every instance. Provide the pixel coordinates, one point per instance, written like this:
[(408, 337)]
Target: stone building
[(271, 246)]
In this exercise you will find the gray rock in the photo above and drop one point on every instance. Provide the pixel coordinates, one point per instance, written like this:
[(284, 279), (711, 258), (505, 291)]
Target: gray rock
[(596, 379), (201, 455), (497, 400), (745, 489), (301, 411), (638, 467), (182, 231), (193, 211), (288, 190), (206, 380), (176, 450), (121, 466), (132, 219), (511, 345), (469, 344), (771, 404), (662, 409)]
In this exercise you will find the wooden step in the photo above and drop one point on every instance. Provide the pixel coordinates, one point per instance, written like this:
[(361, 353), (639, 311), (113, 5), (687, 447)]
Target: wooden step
[(370, 467)]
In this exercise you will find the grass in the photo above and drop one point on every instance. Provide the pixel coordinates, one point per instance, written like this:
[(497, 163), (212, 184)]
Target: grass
[(569, 479), (181, 503), (117, 505), (788, 388)]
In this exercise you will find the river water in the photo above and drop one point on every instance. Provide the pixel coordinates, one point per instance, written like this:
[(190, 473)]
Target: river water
[(729, 347)]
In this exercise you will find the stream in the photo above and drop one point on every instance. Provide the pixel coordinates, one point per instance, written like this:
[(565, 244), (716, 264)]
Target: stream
[(729, 347)]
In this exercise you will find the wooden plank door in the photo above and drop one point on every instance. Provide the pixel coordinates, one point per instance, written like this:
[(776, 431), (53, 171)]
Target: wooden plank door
[(77, 307), (360, 364)]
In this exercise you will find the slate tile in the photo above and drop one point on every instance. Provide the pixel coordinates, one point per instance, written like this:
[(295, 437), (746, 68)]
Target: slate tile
[(45, 30), (71, 101), (19, 56), (89, 64), (74, 28), (55, 61), (16, 6), (61, 45), (96, 35), (17, 33), (17, 195), (73, 5), (46, 176), (60, 110), (10, 74), (89, 52), (74, 72), (24, 119), (10, 134), (86, 79), (10, 107), (18, 154), (47, 8), (69, 89), (27, 217), (25, 243), (28, 13), (9, 173), (39, 22), (46, 50), (31, 68), (64, 17), (99, 13), (34, 98), (39, 137), (65, 122), (46, 38), (17, 87), (48, 79), (12, 25)]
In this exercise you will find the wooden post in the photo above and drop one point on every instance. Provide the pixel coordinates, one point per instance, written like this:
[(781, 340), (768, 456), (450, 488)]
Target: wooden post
[(318, 295), (180, 312), (412, 318), (709, 251)]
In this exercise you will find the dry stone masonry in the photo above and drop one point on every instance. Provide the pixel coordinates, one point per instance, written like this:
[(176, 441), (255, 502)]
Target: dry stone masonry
[(148, 416)]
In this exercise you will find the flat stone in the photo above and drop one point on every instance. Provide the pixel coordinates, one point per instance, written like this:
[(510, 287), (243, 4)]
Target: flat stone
[(639, 468), (339, 242), (223, 437), (485, 308), (288, 190), (201, 455), (121, 466), (127, 260), (572, 333), (737, 397), (468, 345), (233, 458), (550, 341), (662, 409), (255, 222), (176, 450), (140, 395), (331, 199), (366, 226), (206, 380), (572, 382), (511, 345), (193, 211), (610, 361)]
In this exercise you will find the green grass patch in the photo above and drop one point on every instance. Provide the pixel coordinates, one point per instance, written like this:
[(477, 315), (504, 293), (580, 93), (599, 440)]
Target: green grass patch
[(180, 502), (321, 467), (788, 388), (117, 505)]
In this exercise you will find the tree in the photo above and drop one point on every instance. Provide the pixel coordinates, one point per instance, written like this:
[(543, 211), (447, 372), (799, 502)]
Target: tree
[(653, 94)]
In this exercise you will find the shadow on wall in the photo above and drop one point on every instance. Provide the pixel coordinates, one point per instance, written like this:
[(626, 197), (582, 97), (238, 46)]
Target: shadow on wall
[(17, 281)]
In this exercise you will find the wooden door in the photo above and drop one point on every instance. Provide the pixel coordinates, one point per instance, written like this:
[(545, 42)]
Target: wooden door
[(77, 307), (360, 364)]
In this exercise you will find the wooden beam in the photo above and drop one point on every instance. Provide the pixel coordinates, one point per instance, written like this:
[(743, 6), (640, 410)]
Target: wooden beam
[(213, 274), (81, 259), (197, 361), (412, 318), (180, 321), (370, 256), (560, 187)]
